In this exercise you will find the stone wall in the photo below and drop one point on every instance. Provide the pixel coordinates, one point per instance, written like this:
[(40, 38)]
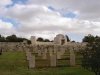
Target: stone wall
[(11, 46), (22, 45)]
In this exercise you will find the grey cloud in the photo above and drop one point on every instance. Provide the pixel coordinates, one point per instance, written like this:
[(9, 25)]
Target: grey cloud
[(36, 18)]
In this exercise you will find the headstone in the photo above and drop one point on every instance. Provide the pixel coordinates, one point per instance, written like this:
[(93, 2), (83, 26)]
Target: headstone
[(44, 54), (53, 60), (51, 50), (32, 61), (59, 55), (72, 58), (33, 40)]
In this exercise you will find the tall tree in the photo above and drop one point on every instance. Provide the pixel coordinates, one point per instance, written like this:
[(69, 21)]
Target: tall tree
[(2, 39), (90, 38), (67, 38), (91, 55)]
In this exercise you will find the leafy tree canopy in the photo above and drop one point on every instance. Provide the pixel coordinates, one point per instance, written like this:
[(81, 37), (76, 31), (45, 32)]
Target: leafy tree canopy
[(12, 38), (91, 54)]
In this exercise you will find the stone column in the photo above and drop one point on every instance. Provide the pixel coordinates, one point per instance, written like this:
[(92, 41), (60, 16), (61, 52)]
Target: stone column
[(72, 58), (32, 61), (53, 60), (33, 40)]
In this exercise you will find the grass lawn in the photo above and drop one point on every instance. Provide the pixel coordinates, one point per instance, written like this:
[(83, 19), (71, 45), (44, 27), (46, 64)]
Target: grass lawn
[(14, 63)]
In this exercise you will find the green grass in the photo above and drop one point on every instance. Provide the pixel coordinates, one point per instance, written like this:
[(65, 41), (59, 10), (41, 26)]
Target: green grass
[(14, 63)]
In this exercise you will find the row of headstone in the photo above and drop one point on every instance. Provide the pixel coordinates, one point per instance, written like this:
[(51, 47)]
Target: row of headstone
[(53, 59), (31, 59), (42, 50)]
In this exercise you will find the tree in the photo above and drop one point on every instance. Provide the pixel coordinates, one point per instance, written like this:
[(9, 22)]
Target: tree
[(67, 38), (12, 38), (40, 39), (90, 38), (2, 39), (46, 40), (73, 41), (91, 55)]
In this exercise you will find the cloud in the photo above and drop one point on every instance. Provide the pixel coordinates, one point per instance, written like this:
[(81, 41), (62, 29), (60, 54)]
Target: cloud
[(37, 18), (89, 9), (4, 25), (6, 28), (5, 2)]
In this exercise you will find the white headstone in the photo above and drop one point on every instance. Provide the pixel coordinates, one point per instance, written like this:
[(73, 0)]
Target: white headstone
[(32, 62), (33, 40), (53, 60), (72, 58)]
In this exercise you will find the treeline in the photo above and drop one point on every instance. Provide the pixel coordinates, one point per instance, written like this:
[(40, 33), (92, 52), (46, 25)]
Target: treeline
[(12, 38), (90, 38)]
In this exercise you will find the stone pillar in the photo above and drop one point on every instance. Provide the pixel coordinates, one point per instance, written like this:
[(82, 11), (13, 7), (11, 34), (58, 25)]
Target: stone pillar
[(32, 61), (33, 40), (72, 58), (53, 60)]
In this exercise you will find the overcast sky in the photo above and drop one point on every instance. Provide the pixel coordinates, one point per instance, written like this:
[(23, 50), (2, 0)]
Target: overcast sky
[(46, 18)]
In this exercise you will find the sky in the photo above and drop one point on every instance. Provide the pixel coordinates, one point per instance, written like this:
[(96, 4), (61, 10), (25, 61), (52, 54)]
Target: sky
[(47, 18)]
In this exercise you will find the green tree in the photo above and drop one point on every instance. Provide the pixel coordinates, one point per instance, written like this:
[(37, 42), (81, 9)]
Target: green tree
[(2, 39), (46, 40), (67, 38), (91, 55), (40, 39), (90, 38), (12, 38)]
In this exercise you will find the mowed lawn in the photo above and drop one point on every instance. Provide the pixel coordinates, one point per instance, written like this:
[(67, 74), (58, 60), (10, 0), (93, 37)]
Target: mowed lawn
[(14, 63)]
